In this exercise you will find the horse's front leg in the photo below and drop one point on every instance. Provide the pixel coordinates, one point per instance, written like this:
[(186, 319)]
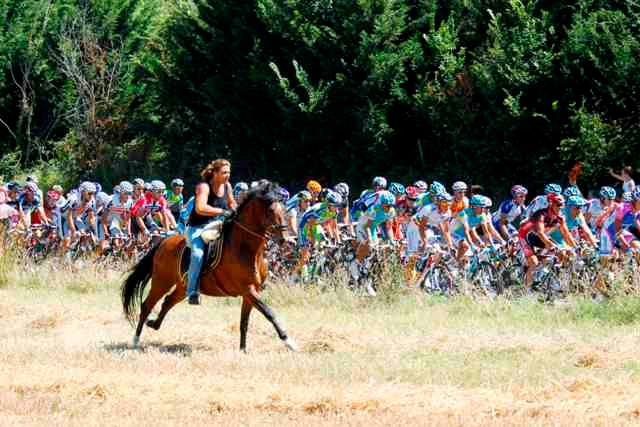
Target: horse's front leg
[(244, 322), (254, 297)]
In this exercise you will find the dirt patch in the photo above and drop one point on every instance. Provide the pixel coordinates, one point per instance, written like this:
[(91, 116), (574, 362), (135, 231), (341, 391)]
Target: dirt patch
[(589, 360), (46, 323), (318, 347)]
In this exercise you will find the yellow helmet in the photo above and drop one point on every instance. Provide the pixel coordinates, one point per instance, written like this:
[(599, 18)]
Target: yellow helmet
[(314, 186)]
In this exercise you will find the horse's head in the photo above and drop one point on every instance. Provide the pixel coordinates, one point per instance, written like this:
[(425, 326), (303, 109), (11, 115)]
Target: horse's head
[(262, 211)]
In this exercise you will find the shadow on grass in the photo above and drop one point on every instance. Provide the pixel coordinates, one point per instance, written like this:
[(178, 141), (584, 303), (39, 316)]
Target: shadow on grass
[(179, 349)]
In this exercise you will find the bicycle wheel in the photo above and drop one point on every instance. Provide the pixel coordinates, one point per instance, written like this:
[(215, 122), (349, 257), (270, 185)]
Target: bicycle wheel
[(438, 279)]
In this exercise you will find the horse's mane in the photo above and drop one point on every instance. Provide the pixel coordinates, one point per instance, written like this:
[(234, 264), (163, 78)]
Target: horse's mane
[(266, 192)]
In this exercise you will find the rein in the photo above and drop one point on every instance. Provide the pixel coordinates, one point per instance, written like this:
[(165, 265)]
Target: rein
[(267, 234)]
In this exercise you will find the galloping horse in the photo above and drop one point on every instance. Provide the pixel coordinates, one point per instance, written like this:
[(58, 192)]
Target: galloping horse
[(241, 272)]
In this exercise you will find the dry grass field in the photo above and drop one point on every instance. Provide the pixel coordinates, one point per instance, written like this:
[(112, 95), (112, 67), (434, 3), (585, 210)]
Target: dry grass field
[(401, 359)]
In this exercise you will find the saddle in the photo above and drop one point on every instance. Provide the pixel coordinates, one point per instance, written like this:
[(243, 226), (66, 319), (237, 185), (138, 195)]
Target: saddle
[(213, 237)]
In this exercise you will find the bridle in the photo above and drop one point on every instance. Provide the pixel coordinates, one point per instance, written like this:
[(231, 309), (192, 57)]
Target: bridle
[(268, 233)]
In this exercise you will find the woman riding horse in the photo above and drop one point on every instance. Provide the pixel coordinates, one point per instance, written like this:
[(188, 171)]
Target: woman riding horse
[(214, 200), (241, 271)]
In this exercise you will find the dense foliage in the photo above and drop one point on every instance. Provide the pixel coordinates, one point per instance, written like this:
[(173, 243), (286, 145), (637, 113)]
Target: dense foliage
[(482, 90)]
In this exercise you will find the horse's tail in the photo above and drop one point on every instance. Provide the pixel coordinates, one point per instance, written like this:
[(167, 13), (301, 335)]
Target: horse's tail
[(133, 287)]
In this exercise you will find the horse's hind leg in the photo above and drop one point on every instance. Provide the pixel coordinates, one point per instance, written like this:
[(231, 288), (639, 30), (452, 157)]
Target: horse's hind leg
[(152, 299), (178, 294)]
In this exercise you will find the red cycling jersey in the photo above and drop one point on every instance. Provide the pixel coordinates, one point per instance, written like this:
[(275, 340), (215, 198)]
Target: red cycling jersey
[(147, 205)]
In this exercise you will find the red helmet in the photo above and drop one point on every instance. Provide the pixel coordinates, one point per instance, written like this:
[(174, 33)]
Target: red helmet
[(412, 192), (554, 198)]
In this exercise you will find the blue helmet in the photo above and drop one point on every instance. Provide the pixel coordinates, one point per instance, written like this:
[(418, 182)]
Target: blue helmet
[(396, 188), (283, 194), (437, 188), (577, 201), (552, 188), (477, 201), (607, 193), (332, 198), (386, 198), (380, 181), (570, 191)]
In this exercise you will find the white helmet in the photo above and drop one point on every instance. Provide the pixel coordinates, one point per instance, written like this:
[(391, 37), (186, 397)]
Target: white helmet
[(157, 185), (459, 186), (87, 187)]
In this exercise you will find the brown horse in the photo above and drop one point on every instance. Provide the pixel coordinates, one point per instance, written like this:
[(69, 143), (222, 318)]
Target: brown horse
[(241, 272)]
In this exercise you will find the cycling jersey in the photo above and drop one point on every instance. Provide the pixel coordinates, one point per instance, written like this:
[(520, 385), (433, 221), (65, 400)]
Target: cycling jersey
[(174, 201), (545, 216), (573, 225), (433, 215), (367, 199), (459, 205), (147, 205), (538, 203), (118, 213), (321, 213), (471, 218), (508, 209)]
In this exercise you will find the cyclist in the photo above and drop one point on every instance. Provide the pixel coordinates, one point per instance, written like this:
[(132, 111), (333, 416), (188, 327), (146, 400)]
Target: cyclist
[(435, 216), (30, 207), (240, 191), (150, 212), (367, 198), (460, 200), (395, 224), (342, 189), (626, 227), (534, 232), (598, 207), (471, 225), (103, 200), (510, 211), (310, 230), (118, 217), (79, 213), (576, 225), (175, 199), (366, 230), (421, 186), (295, 208), (540, 202), (314, 188)]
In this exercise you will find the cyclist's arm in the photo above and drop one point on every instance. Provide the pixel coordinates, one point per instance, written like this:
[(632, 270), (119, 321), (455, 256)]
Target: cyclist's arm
[(70, 222), (539, 230), (489, 227), (587, 232), (566, 235), (444, 229)]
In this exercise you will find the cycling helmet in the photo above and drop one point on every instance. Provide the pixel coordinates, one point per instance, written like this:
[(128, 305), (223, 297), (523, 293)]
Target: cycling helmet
[(87, 187), (572, 190), (31, 186), (552, 188), (396, 189), (627, 196), (283, 194), (459, 186), (386, 198), (254, 184), (555, 198), (138, 182), (126, 187), (636, 193), (411, 192), (332, 198), (421, 186), (102, 198), (477, 201), (437, 188), (157, 186), (240, 187), (147, 186), (577, 201), (117, 189), (516, 190), (314, 186), (98, 187), (443, 197), (13, 186), (53, 195), (177, 182), (304, 195), (379, 181), (607, 193), (343, 189), (487, 203)]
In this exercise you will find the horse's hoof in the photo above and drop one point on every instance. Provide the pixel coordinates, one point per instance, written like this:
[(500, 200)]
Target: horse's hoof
[(290, 344), (153, 324)]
